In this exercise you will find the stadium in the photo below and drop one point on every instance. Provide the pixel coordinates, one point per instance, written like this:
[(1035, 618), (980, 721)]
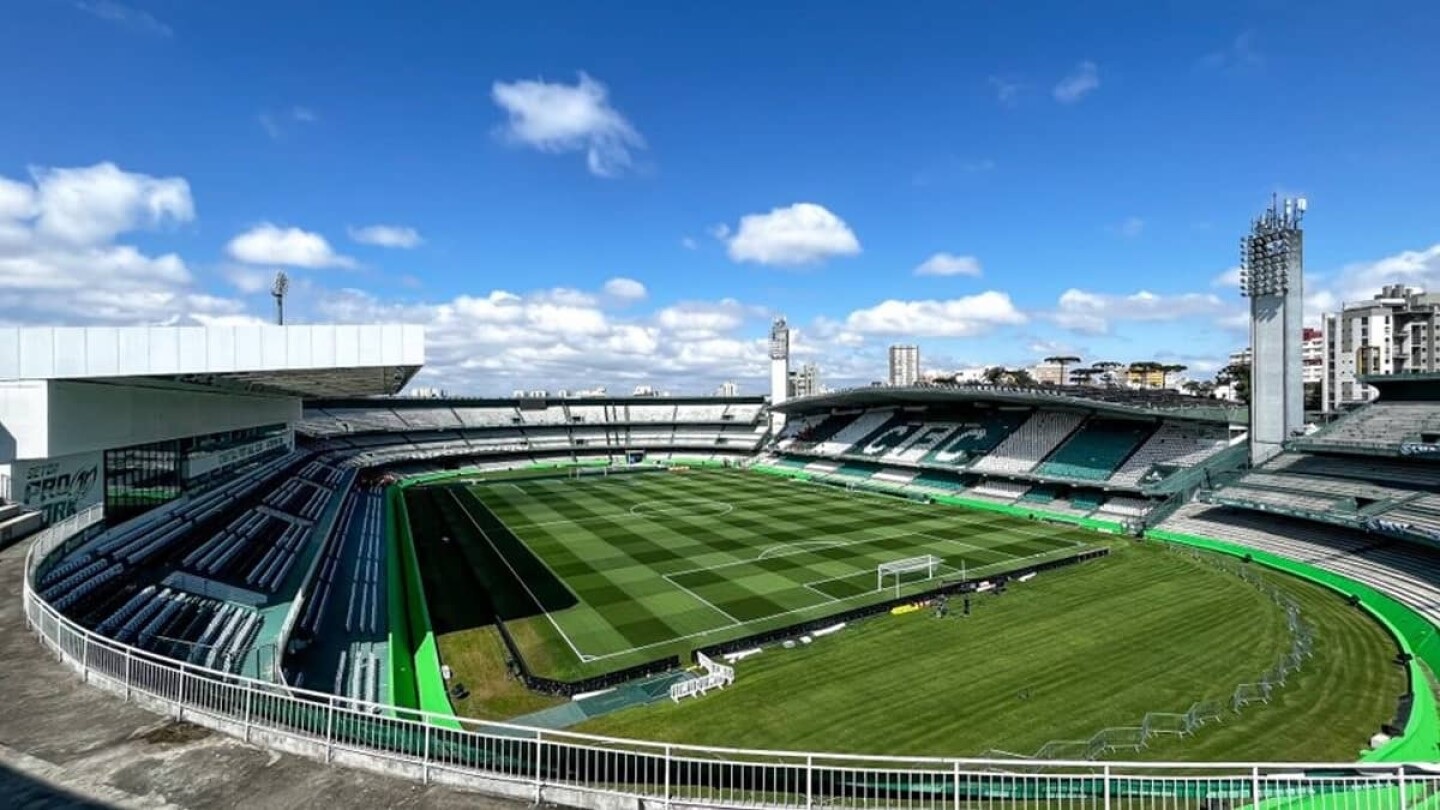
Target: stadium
[(921, 596)]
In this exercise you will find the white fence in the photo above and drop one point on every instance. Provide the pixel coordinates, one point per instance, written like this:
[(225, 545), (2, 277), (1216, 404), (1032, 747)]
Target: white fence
[(598, 772)]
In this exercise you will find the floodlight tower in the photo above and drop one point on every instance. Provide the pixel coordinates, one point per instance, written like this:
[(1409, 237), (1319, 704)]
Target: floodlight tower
[(779, 370), (1272, 277), (278, 291)]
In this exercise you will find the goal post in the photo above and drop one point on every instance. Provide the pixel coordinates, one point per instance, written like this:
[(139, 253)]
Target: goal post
[(910, 569)]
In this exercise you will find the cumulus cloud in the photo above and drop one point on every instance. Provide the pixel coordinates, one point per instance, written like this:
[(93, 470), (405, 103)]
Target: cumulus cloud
[(90, 205), (1078, 84), (803, 233), (61, 261), (558, 117), (948, 264), (625, 289), (267, 243), (391, 236), (967, 316), (564, 338), (1093, 313), (1229, 279)]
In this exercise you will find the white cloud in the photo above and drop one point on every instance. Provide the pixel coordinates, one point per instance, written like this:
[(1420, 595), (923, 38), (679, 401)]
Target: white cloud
[(702, 319), (60, 261), (391, 236), (1007, 91), (689, 243), (271, 244), (719, 230), (1229, 279), (1093, 313), (125, 16), (556, 117), (91, 205), (803, 233), (1130, 227), (1078, 84), (967, 316), (564, 339), (304, 115), (268, 123), (948, 264), (626, 289), (248, 280)]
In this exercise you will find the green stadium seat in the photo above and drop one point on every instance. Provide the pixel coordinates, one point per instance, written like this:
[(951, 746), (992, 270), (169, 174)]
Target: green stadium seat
[(975, 435), (1095, 451)]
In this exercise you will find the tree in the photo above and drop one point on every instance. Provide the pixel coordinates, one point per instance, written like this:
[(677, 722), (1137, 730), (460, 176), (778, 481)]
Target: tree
[(1020, 378), (1105, 370), (1083, 376), (994, 375), (1062, 360), (1237, 376)]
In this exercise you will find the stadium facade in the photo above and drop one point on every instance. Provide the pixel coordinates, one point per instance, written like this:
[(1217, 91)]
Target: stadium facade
[(233, 468)]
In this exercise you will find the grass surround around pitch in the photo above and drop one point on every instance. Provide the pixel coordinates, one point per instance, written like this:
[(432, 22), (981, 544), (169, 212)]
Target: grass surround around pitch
[(626, 569), (1061, 657)]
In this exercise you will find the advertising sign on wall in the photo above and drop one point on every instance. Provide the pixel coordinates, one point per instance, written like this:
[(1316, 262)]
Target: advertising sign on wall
[(59, 487)]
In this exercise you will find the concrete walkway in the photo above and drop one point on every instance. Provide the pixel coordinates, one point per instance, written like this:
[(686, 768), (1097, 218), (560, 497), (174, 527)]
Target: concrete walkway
[(65, 745)]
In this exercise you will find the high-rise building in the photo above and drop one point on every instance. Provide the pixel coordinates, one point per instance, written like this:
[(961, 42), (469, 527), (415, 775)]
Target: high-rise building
[(729, 388), (805, 381), (1272, 276), (904, 365), (1392, 333)]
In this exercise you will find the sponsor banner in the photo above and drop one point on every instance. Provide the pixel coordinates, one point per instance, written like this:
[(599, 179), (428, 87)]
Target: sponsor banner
[(1397, 529), (198, 464), (59, 487), (1419, 449)]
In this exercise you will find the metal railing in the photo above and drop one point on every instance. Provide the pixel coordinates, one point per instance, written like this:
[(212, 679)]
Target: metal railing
[(591, 771)]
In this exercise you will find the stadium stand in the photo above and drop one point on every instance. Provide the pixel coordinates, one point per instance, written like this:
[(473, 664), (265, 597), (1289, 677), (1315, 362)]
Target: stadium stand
[(1094, 451), (1176, 444), (850, 434), (1032, 442), (1382, 425)]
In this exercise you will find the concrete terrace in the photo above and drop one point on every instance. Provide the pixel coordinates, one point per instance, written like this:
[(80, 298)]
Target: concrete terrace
[(65, 745)]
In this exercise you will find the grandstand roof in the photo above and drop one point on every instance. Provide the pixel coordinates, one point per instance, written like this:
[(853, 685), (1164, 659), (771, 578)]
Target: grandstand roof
[(1408, 387), (1112, 400), (297, 361)]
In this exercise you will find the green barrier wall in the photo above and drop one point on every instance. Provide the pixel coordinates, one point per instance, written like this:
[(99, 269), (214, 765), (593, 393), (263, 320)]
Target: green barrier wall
[(1413, 633), (426, 682), (401, 669)]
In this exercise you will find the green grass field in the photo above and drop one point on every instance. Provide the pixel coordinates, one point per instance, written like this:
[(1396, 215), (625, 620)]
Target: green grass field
[(1060, 657), (606, 572), (594, 574)]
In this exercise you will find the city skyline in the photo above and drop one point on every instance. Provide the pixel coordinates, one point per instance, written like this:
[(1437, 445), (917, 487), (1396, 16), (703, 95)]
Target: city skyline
[(585, 197)]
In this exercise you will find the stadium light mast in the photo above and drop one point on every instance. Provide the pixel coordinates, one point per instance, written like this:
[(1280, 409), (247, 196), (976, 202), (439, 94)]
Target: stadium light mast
[(1272, 276), (779, 370), (278, 291)]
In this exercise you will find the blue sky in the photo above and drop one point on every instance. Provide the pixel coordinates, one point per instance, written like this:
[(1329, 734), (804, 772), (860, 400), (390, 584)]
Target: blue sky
[(577, 194)]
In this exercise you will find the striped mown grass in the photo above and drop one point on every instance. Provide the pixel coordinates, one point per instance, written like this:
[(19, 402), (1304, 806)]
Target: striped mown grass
[(608, 572)]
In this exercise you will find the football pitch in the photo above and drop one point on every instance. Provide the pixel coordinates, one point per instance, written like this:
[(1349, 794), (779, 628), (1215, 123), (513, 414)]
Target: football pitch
[(620, 569)]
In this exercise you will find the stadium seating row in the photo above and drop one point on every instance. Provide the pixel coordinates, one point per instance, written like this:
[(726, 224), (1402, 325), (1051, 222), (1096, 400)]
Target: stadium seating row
[(1011, 441), (400, 416)]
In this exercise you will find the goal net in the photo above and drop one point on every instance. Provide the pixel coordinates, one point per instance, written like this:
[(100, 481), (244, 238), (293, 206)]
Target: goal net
[(908, 570), (588, 472)]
